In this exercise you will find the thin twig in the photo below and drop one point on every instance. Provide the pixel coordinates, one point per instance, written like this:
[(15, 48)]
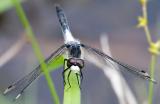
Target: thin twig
[(146, 28), (118, 83), (12, 51), (154, 47), (120, 87)]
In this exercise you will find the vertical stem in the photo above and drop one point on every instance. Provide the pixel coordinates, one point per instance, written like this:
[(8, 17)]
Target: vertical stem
[(150, 42), (146, 29), (72, 95), (36, 49), (152, 69)]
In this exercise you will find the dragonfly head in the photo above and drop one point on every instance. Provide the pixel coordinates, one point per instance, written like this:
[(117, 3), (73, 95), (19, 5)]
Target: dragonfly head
[(74, 50), (75, 64)]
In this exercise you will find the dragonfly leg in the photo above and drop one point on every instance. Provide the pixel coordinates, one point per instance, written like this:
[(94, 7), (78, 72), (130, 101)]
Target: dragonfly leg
[(81, 75), (78, 80), (68, 79), (63, 73)]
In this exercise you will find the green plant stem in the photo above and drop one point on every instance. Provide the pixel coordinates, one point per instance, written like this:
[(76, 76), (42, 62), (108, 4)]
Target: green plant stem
[(152, 69), (72, 95), (146, 29), (153, 56), (36, 49)]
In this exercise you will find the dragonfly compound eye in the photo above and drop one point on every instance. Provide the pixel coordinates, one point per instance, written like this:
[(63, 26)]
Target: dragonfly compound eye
[(80, 63), (71, 62)]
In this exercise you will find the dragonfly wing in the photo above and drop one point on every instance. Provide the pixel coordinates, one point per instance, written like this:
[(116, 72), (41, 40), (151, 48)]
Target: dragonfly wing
[(18, 87), (141, 73)]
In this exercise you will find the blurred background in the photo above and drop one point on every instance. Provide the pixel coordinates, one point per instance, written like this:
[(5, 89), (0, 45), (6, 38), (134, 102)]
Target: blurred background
[(88, 19)]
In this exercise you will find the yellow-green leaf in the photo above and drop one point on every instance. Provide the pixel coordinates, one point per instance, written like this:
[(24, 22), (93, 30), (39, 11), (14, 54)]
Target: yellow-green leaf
[(58, 62), (6, 5)]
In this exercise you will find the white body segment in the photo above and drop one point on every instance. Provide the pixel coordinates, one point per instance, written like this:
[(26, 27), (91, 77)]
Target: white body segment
[(75, 69), (68, 36)]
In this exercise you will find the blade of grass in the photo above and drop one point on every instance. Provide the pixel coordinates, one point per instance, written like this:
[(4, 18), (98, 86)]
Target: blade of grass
[(72, 94), (152, 67), (36, 49), (5, 5), (58, 62)]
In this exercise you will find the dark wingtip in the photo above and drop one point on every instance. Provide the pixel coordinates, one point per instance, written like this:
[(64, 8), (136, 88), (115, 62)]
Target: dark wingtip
[(11, 87), (58, 7)]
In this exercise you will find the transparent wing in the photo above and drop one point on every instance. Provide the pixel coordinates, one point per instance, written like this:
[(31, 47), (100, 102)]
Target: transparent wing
[(18, 87), (141, 73)]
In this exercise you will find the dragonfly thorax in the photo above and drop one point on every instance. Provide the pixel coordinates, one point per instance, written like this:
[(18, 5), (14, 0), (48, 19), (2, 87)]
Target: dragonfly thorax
[(74, 50)]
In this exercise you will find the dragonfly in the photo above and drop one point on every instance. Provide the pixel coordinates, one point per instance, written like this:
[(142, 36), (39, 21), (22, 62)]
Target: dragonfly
[(74, 62)]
